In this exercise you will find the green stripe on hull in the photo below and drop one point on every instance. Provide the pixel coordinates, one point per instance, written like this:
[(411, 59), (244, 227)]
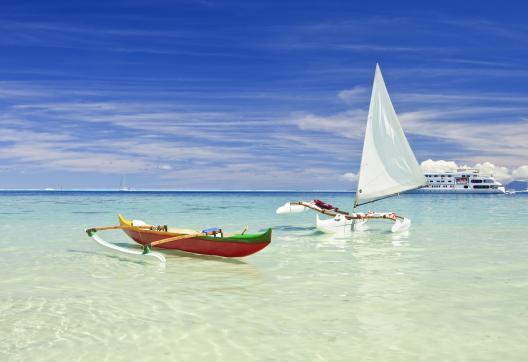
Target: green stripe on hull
[(242, 238)]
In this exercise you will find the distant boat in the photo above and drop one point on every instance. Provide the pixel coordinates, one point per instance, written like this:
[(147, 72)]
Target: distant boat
[(123, 186), (49, 189), (388, 167), (463, 181)]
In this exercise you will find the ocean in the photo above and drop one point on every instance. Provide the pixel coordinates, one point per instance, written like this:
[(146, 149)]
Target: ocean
[(454, 287)]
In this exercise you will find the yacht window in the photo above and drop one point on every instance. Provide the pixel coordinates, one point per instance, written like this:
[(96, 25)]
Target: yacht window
[(476, 181), (481, 187)]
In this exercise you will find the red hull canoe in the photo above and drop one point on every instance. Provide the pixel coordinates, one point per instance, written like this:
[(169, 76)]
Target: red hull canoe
[(232, 246)]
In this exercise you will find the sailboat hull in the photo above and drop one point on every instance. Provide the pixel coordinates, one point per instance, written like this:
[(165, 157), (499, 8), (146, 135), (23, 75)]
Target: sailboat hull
[(340, 225)]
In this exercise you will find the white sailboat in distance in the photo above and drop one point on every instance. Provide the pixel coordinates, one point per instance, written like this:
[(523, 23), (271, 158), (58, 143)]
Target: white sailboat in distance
[(388, 167), (123, 186)]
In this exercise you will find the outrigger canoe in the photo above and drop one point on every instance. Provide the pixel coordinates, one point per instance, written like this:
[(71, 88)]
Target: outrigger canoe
[(207, 242)]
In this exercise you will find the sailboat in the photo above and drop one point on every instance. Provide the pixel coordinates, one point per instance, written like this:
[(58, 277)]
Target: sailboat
[(388, 167), (123, 186)]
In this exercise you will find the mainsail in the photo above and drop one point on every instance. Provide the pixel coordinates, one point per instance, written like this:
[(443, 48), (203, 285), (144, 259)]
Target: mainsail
[(388, 165)]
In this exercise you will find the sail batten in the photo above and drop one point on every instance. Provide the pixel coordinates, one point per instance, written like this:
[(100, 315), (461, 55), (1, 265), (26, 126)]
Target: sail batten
[(388, 165)]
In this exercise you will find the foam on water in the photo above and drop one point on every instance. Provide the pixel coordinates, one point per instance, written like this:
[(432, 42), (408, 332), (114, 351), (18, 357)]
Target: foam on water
[(452, 288)]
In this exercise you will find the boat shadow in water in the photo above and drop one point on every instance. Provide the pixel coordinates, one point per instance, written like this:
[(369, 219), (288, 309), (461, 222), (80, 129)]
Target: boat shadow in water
[(175, 253), (113, 256), (183, 254), (178, 253), (366, 236)]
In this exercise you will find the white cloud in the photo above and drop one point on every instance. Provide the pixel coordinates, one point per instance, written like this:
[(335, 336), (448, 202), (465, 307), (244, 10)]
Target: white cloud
[(500, 173), (351, 95), (250, 175), (501, 141), (55, 156), (520, 173), (438, 166), (350, 124), (350, 176), (145, 133), (12, 135)]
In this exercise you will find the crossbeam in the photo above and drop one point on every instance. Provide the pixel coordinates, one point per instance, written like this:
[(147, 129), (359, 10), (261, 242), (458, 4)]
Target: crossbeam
[(347, 215)]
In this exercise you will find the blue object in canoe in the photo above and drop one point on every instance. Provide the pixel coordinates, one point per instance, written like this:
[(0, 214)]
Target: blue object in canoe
[(213, 231)]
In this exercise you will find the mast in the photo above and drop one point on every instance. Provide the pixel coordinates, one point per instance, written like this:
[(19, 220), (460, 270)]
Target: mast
[(123, 186)]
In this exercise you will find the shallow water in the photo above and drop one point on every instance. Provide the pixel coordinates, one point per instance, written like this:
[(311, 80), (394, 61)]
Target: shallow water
[(453, 288)]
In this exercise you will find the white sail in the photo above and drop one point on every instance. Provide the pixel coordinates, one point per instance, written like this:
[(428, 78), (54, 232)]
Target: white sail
[(388, 165), (123, 186)]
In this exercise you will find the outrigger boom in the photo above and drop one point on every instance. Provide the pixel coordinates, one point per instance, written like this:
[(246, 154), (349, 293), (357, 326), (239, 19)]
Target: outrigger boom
[(335, 211)]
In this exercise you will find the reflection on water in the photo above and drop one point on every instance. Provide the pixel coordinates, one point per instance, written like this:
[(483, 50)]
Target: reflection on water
[(447, 289)]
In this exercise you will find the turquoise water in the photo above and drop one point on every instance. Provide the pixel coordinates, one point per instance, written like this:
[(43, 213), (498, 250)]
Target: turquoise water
[(453, 288)]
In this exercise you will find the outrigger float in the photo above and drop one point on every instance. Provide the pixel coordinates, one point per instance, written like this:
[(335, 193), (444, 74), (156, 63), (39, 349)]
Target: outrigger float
[(388, 167), (210, 241)]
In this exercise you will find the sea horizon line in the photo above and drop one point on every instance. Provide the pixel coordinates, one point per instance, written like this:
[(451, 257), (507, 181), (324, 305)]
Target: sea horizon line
[(163, 190)]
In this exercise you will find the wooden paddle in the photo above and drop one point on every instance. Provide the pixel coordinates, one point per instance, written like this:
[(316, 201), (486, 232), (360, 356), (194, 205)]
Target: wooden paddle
[(206, 232), (154, 243), (174, 238), (121, 227)]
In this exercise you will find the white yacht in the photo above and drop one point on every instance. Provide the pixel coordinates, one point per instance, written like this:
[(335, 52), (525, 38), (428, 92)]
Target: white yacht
[(467, 180)]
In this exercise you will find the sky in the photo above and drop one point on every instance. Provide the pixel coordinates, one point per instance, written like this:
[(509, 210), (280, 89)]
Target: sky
[(273, 95)]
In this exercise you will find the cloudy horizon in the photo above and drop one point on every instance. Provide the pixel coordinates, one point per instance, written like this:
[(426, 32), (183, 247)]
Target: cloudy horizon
[(206, 95)]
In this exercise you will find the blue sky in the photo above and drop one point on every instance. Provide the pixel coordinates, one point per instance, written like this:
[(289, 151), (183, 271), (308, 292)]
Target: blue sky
[(243, 95)]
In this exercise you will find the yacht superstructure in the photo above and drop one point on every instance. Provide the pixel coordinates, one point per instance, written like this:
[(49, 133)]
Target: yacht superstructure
[(465, 180)]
